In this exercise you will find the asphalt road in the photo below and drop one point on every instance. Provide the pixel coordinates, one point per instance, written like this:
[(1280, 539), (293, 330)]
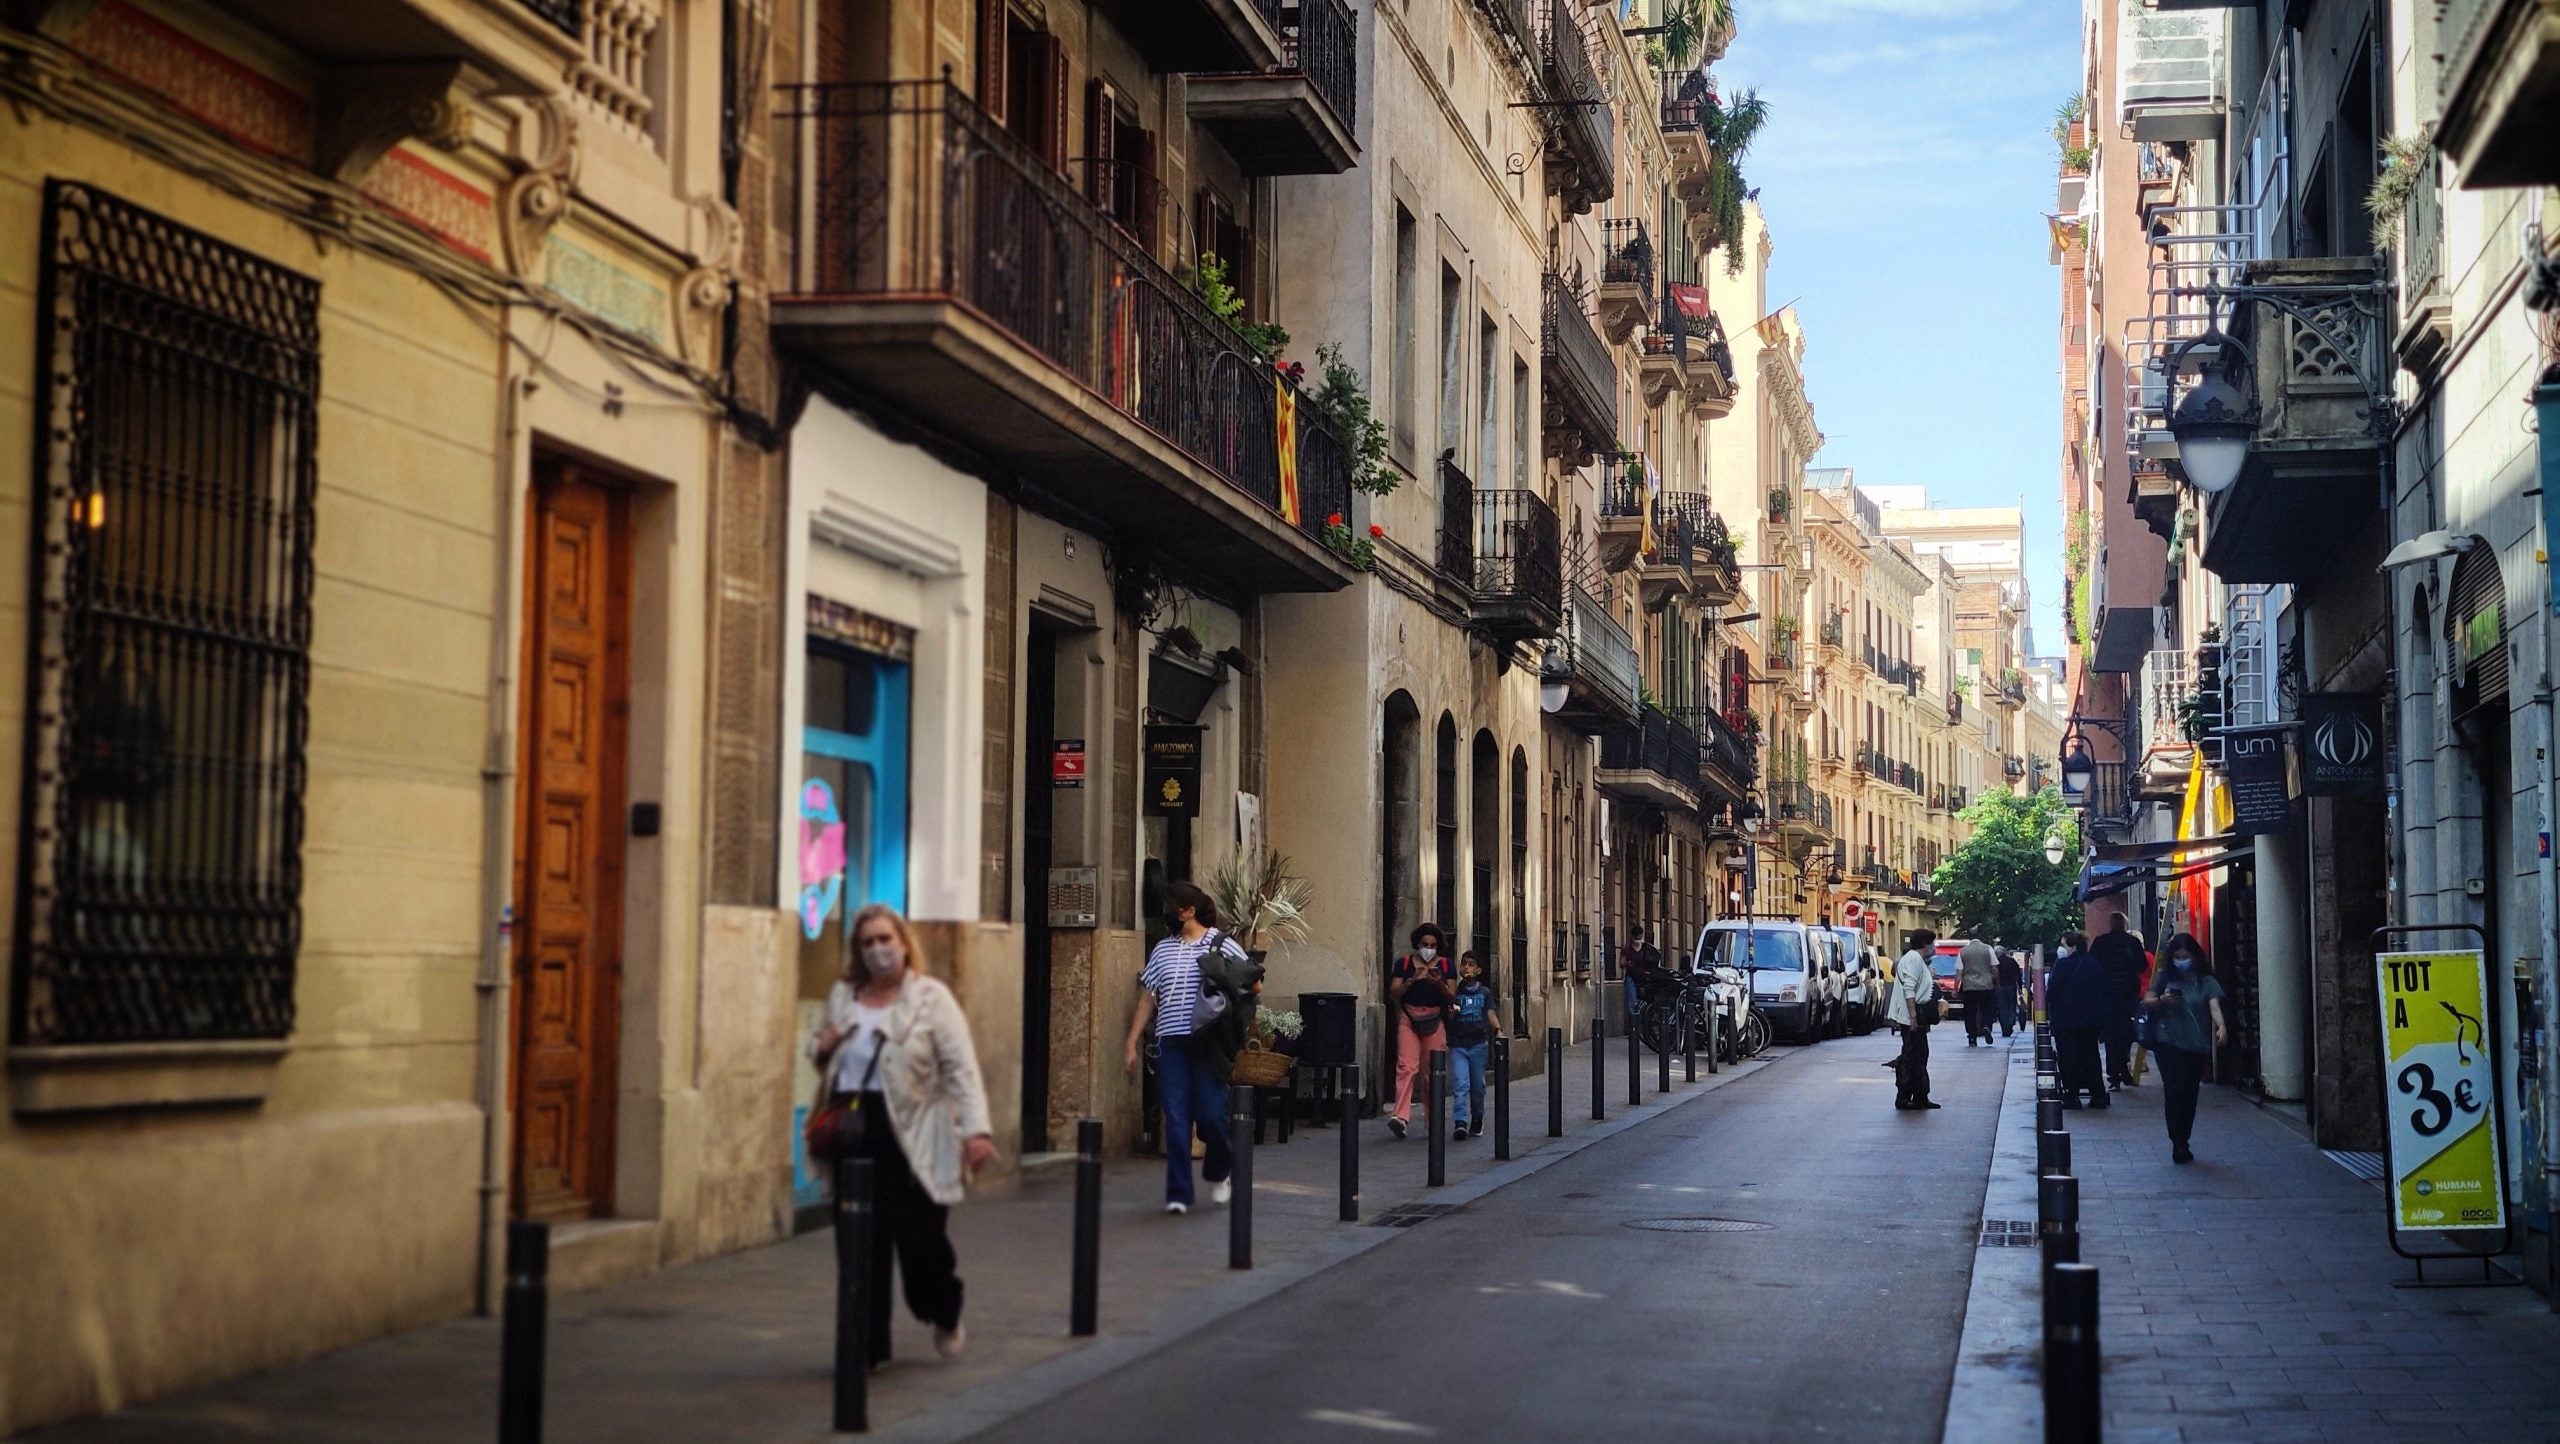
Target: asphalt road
[(1567, 1307)]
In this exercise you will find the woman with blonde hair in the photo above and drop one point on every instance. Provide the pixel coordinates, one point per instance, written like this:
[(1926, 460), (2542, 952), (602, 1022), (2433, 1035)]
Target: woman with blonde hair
[(902, 1088)]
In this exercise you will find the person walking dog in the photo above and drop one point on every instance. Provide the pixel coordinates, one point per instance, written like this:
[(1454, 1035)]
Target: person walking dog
[(903, 1090), (2184, 1004)]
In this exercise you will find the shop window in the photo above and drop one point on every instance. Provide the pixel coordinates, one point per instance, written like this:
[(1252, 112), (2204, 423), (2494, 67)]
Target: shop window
[(168, 711)]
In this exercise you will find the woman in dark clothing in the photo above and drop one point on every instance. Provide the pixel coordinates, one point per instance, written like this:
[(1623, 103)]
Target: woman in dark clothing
[(2185, 1006), (2075, 1000)]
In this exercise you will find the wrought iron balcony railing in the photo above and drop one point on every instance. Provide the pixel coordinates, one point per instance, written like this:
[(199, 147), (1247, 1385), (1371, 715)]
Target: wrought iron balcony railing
[(1725, 752), (1582, 158), (1652, 743), (1519, 564), (1578, 378), (1320, 39), (907, 190), (1457, 549)]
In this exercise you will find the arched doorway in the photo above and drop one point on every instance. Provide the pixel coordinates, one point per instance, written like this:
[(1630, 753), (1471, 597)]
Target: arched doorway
[(1485, 862), (1400, 826)]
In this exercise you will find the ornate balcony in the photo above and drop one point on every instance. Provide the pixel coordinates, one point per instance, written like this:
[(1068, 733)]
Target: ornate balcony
[(1629, 296), (1665, 571), (1710, 371), (1684, 130), (1299, 117), (1715, 563), (1803, 813), (1519, 566), (1619, 529), (1729, 762), (1660, 364), (939, 267), (1651, 760), (1581, 151), (1577, 382), (2501, 87), (1596, 661), (1200, 34), (1455, 553)]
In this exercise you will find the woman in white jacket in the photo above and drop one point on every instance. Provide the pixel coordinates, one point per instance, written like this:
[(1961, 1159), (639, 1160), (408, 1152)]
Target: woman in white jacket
[(896, 1046)]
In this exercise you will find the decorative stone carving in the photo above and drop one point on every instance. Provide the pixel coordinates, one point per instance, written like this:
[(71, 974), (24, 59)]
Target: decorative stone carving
[(702, 293), (534, 202), (367, 109)]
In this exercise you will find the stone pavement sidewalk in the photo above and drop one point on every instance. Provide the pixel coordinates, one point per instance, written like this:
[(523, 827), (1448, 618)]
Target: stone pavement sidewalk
[(2248, 1296), (738, 1348)]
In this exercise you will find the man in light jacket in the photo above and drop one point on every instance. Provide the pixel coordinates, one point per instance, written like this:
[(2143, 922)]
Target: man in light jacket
[(1978, 972), (1913, 1008)]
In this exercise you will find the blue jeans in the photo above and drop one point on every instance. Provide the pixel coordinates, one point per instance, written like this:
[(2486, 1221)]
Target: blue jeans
[(1466, 1081), (1192, 1097)]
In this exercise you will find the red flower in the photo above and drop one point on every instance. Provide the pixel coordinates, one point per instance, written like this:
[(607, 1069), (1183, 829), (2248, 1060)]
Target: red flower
[(1334, 520), (1376, 530)]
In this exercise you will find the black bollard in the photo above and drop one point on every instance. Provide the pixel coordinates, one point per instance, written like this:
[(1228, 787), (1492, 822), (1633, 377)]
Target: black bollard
[(1635, 1068), (1555, 1082), (853, 1295), (1599, 1069), (1240, 1148), (1715, 1035), (1350, 1143), (1439, 1152), (2053, 1152), (2058, 1218), (1689, 1050), (2071, 1357), (1085, 1293), (1662, 1068), (1501, 1098), (2048, 1115), (520, 1345)]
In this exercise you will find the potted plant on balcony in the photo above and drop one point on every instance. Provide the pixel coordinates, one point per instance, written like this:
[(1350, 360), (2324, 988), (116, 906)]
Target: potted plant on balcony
[(1780, 503), (1211, 282), (1343, 402), (1360, 551)]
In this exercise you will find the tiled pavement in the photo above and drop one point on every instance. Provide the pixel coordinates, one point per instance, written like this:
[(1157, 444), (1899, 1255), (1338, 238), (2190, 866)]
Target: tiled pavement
[(2249, 1296)]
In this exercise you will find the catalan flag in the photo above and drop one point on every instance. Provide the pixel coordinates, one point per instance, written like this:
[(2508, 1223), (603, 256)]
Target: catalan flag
[(1286, 411)]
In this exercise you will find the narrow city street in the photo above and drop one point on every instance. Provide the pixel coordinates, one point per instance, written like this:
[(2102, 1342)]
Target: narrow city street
[(1786, 1258)]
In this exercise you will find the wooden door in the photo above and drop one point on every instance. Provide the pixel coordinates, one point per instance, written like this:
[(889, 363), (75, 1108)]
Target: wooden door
[(568, 928)]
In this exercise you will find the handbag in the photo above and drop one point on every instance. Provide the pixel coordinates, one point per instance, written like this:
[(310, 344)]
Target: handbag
[(838, 1129)]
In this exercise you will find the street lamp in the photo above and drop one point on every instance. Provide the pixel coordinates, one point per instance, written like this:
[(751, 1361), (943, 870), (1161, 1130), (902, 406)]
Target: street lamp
[(2078, 770), (2053, 846), (2214, 419)]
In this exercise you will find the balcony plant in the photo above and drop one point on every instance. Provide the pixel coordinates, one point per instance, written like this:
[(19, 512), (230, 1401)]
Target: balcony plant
[(2075, 157), (1685, 26), (1780, 503), (1212, 283), (1343, 402), (1730, 130), (2404, 170), (1360, 551)]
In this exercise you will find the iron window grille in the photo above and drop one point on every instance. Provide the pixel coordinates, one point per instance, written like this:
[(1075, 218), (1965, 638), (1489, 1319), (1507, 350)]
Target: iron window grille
[(161, 875)]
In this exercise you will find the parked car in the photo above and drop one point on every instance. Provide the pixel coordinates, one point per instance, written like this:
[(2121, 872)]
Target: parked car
[(1790, 984), (1947, 966), (1836, 973), (1868, 989)]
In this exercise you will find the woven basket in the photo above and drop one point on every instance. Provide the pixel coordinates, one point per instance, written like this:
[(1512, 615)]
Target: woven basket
[(1259, 1067)]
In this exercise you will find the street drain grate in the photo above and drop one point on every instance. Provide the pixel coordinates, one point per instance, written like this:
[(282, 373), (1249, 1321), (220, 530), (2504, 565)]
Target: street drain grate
[(2008, 1233), (1698, 1225), (1408, 1214)]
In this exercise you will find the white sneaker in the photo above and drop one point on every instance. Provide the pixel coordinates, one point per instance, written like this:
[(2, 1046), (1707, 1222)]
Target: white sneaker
[(952, 1342), (1177, 1206), (1222, 1191)]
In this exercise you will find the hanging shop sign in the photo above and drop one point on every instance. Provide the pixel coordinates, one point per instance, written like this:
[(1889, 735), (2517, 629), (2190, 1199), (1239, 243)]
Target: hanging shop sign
[(2440, 1079), (2342, 750), (1173, 770), (2257, 769)]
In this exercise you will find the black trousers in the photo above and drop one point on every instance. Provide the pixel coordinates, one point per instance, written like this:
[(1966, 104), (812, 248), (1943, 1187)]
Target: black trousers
[(2181, 1078), (2075, 1054), (1977, 1015), (906, 1223), (1911, 1070), (2119, 1036)]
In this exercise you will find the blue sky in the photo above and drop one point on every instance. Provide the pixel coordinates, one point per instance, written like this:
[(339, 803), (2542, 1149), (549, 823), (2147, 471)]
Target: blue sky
[(1906, 169)]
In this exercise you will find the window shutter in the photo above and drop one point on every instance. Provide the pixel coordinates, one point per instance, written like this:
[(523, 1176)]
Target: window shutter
[(1100, 141), (1057, 68), (1150, 194), (991, 56)]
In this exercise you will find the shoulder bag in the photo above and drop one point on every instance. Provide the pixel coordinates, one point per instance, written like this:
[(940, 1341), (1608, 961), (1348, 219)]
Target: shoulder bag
[(838, 1128)]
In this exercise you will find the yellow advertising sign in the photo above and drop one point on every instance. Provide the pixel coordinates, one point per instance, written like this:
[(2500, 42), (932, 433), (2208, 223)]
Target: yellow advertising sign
[(2441, 1093)]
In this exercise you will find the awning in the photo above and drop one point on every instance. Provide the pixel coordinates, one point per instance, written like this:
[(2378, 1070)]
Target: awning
[(2107, 877)]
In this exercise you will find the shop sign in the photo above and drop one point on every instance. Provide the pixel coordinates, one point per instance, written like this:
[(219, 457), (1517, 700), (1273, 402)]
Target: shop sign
[(2440, 1079), (2257, 770), (853, 627), (2341, 743), (1066, 762), (1173, 770)]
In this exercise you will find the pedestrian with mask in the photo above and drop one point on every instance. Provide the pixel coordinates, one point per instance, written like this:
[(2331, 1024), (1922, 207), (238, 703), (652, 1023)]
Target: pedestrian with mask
[(2010, 978), (903, 1090), (1639, 960), (1914, 1006), (1470, 1043), (1977, 973), (2121, 957), (2075, 1003), (2184, 1004), (1176, 1003), (1418, 994)]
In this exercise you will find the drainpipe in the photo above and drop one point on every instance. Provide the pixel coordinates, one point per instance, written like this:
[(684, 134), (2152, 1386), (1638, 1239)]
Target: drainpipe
[(497, 853)]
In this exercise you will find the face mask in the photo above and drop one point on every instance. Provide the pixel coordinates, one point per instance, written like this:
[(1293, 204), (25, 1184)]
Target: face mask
[(2184, 965), (1426, 952), (883, 960)]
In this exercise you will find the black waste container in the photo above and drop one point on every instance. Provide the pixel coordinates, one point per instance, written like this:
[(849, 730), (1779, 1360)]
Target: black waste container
[(1333, 1029)]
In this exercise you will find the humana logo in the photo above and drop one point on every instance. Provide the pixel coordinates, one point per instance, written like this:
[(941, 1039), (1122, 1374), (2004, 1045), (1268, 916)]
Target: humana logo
[(2343, 740)]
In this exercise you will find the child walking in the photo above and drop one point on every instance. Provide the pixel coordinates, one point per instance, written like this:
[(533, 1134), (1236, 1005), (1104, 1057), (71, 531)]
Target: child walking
[(1470, 1038)]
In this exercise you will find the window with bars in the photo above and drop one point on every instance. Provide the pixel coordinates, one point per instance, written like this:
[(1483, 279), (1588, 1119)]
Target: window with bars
[(167, 710)]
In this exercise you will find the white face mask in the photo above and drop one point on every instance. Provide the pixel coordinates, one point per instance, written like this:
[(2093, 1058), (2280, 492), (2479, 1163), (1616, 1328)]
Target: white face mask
[(1426, 952), (883, 961)]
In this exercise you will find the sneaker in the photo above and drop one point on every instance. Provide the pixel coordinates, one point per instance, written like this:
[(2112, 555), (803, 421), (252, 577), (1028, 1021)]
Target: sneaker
[(1459, 1133), (1925, 1103), (952, 1342), (1222, 1192), (1476, 1132), (2181, 1153), (1176, 1206), (1395, 1125)]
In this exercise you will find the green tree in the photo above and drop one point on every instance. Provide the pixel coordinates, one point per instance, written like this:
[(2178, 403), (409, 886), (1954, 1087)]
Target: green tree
[(1998, 884)]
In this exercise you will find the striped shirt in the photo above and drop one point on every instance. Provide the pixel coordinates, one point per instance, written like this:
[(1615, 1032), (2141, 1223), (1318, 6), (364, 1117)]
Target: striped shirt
[(1173, 975)]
